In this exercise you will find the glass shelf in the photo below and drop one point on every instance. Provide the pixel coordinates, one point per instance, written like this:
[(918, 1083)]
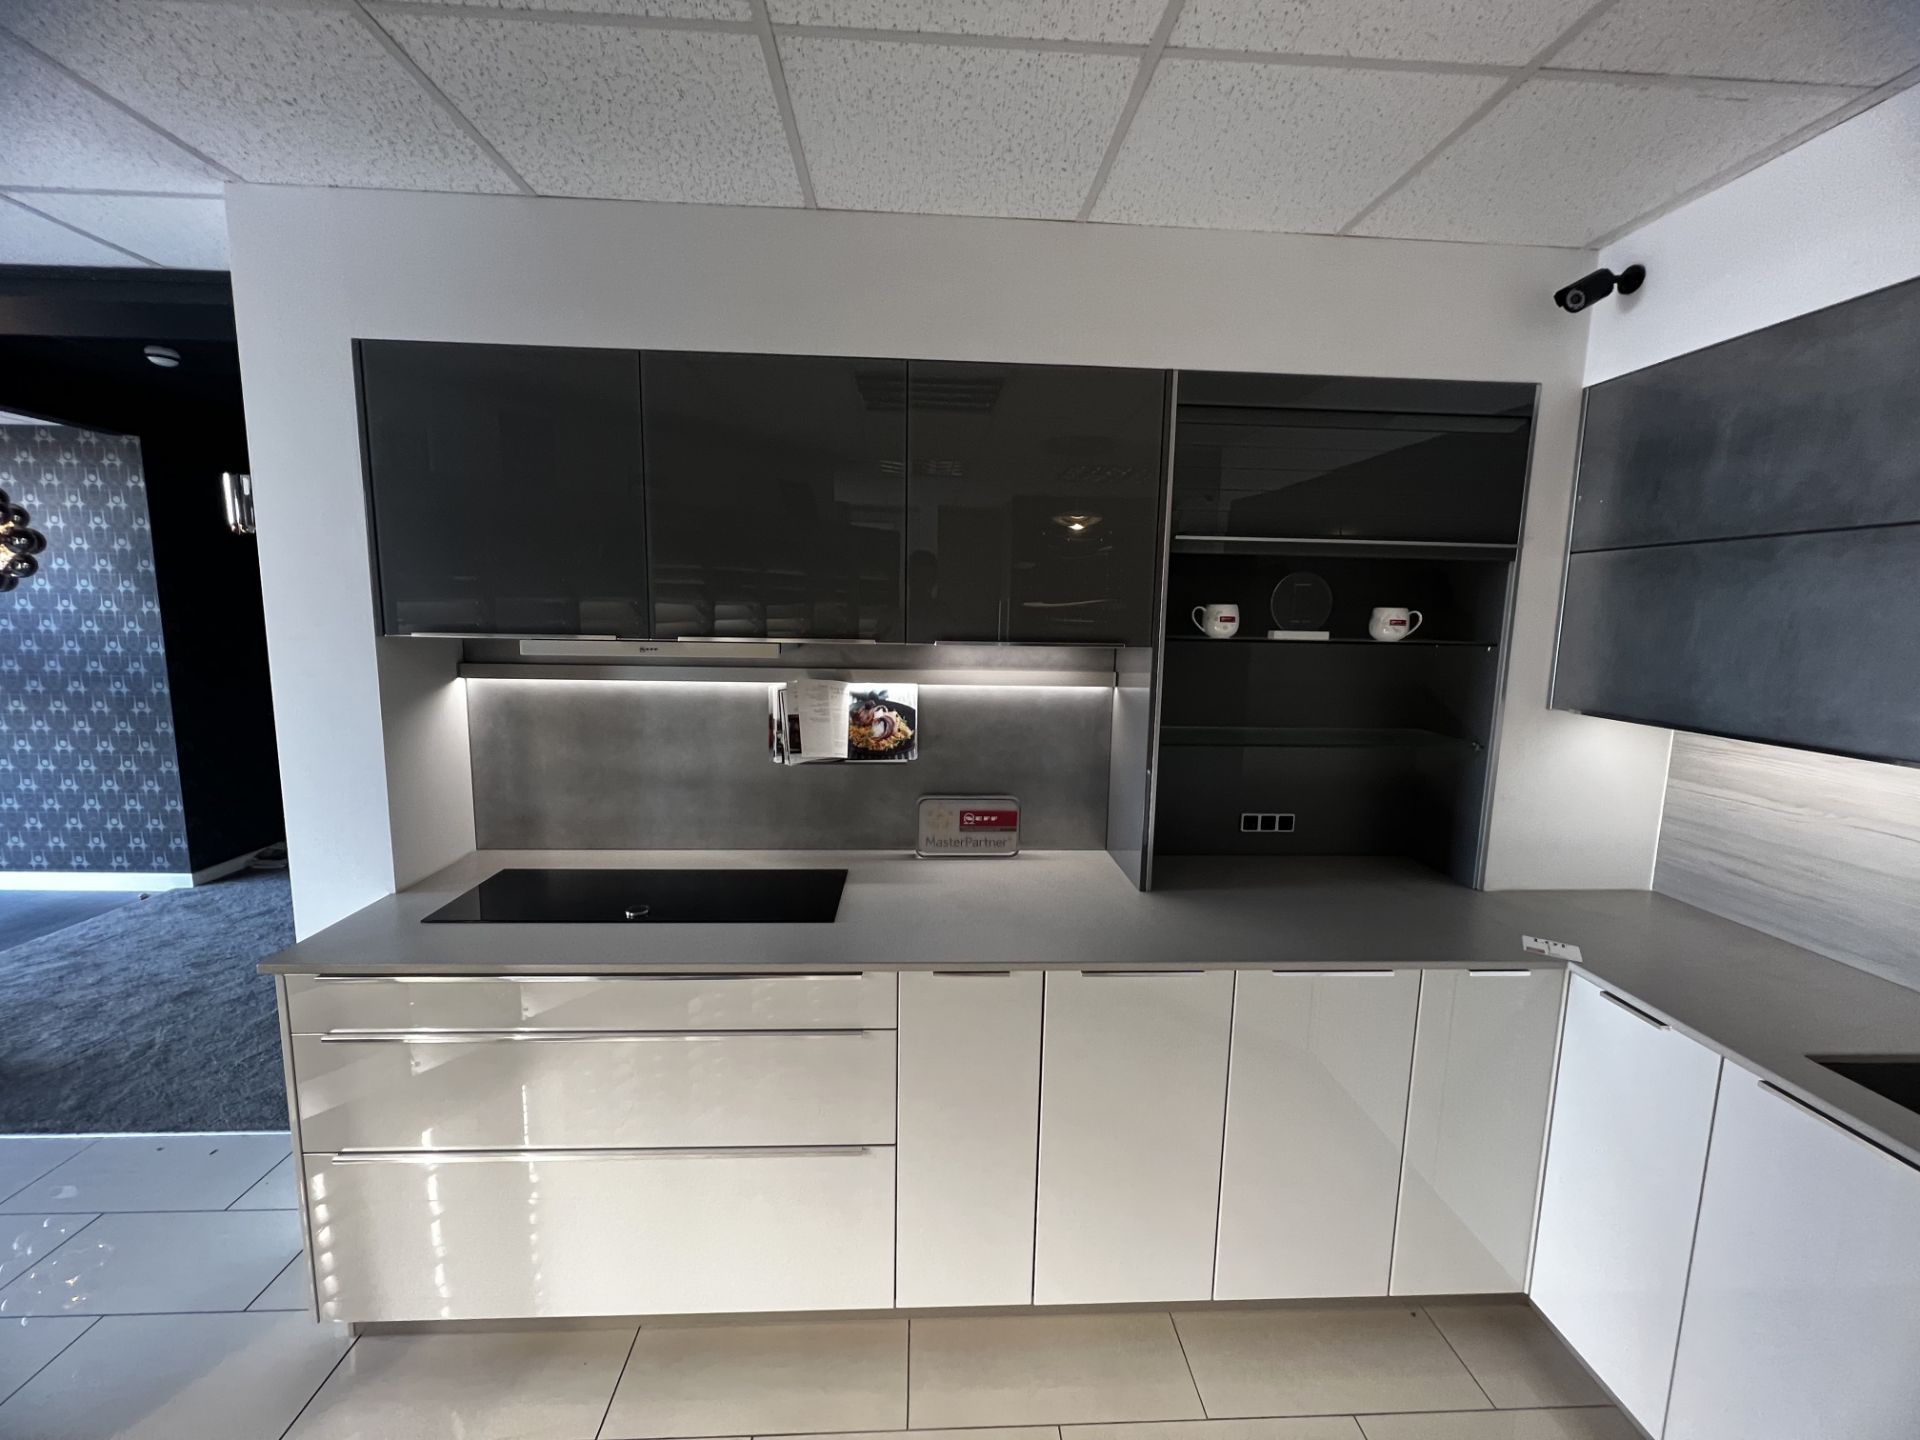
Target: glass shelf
[(1336, 640), (1308, 737)]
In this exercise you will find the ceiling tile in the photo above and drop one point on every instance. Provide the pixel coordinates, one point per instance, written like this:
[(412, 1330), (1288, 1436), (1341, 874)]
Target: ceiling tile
[(1563, 161), (182, 233), (1277, 147), (1486, 32), (279, 95), (952, 129), (1121, 22), (1843, 42), (29, 239), (613, 111), (670, 9), (58, 132)]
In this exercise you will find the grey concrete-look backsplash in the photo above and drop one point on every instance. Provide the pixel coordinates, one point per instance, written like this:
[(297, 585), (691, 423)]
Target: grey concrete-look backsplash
[(571, 764), (1819, 850)]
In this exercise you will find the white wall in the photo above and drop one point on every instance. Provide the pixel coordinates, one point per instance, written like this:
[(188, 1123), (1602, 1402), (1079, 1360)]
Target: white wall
[(1836, 218), (1576, 801)]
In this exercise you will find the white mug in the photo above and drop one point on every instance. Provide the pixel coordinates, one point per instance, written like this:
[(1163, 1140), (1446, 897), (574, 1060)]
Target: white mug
[(1221, 622), (1393, 622)]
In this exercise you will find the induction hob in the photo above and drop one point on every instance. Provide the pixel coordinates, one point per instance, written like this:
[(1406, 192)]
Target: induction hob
[(650, 897)]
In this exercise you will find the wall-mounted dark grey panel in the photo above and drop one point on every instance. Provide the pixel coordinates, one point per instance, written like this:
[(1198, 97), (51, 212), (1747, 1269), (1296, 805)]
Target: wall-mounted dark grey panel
[(1805, 640), (1807, 425)]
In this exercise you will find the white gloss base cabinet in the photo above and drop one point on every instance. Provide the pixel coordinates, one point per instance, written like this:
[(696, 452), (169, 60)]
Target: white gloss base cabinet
[(969, 1114), (1132, 1100), (563, 1090), (1316, 1113), (1625, 1160), (1483, 1063), (1803, 1308), (479, 1237)]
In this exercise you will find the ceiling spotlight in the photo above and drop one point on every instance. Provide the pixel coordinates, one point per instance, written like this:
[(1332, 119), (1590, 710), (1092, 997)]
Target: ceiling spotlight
[(165, 356), (1077, 523)]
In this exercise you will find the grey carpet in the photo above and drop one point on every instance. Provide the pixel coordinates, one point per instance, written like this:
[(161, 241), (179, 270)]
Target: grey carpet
[(28, 914), (149, 1017)]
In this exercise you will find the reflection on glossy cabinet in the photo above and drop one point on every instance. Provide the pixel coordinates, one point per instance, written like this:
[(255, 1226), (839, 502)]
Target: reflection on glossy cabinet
[(1483, 1061), (1033, 501), (1803, 1307), (1316, 1107), (506, 489), (1627, 1151), (776, 495), (1132, 1094), (479, 1236), (969, 1112), (624, 1089)]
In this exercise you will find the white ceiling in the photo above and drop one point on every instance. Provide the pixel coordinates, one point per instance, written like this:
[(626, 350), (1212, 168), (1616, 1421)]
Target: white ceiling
[(1547, 122)]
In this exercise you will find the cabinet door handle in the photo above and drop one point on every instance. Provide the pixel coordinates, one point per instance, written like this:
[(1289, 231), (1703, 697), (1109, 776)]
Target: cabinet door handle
[(1828, 1120), (485, 1037), (1634, 1010), (474, 1157), (1111, 974), (1500, 974), (973, 974)]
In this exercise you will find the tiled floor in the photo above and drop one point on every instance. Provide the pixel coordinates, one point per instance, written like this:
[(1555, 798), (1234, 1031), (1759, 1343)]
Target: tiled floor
[(152, 1287)]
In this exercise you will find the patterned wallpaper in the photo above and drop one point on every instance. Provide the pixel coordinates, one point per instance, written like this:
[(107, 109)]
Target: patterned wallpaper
[(89, 778)]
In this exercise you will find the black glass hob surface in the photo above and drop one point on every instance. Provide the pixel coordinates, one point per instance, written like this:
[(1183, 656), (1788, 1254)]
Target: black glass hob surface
[(1896, 1077), (649, 897)]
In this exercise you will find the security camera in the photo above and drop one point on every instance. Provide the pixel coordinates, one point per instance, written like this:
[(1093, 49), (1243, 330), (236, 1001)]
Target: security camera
[(1597, 286)]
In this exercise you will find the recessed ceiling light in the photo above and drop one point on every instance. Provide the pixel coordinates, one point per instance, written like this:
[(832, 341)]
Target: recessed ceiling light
[(165, 356)]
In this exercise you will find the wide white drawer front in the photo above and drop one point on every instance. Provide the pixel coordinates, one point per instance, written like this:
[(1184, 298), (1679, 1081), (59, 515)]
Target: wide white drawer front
[(317, 1005), (546, 1089), (660, 1233)]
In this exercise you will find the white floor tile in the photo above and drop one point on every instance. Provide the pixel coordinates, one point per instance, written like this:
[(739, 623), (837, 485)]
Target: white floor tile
[(292, 1288), (153, 1172), (1604, 1423), (1049, 1370), (763, 1379), (1315, 1427), (1323, 1360), (170, 1377), (1517, 1359), (496, 1385), (26, 1345), (273, 1191), (24, 1159), (26, 1239), (157, 1264)]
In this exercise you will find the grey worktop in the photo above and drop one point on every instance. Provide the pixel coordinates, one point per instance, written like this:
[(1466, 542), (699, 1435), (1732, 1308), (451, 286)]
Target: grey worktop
[(1761, 1001)]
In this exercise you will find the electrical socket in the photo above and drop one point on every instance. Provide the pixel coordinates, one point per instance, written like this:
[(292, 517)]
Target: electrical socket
[(1254, 822)]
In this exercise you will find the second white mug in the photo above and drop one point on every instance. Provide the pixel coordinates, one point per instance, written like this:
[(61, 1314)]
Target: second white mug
[(1220, 622), (1393, 622)]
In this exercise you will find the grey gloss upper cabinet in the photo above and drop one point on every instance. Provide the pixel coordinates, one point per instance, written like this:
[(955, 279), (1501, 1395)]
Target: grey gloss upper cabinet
[(1807, 425), (505, 488), (1746, 534), (776, 498), (1033, 502)]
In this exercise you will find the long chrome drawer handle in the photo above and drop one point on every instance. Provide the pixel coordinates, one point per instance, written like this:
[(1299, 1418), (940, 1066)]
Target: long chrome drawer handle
[(1634, 1010), (1130, 974), (476, 1157), (485, 1037), (582, 979), (1499, 974), (1844, 1129)]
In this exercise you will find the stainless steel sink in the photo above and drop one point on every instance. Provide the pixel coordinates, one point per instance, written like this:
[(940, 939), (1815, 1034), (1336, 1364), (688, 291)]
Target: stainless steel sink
[(1894, 1077)]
